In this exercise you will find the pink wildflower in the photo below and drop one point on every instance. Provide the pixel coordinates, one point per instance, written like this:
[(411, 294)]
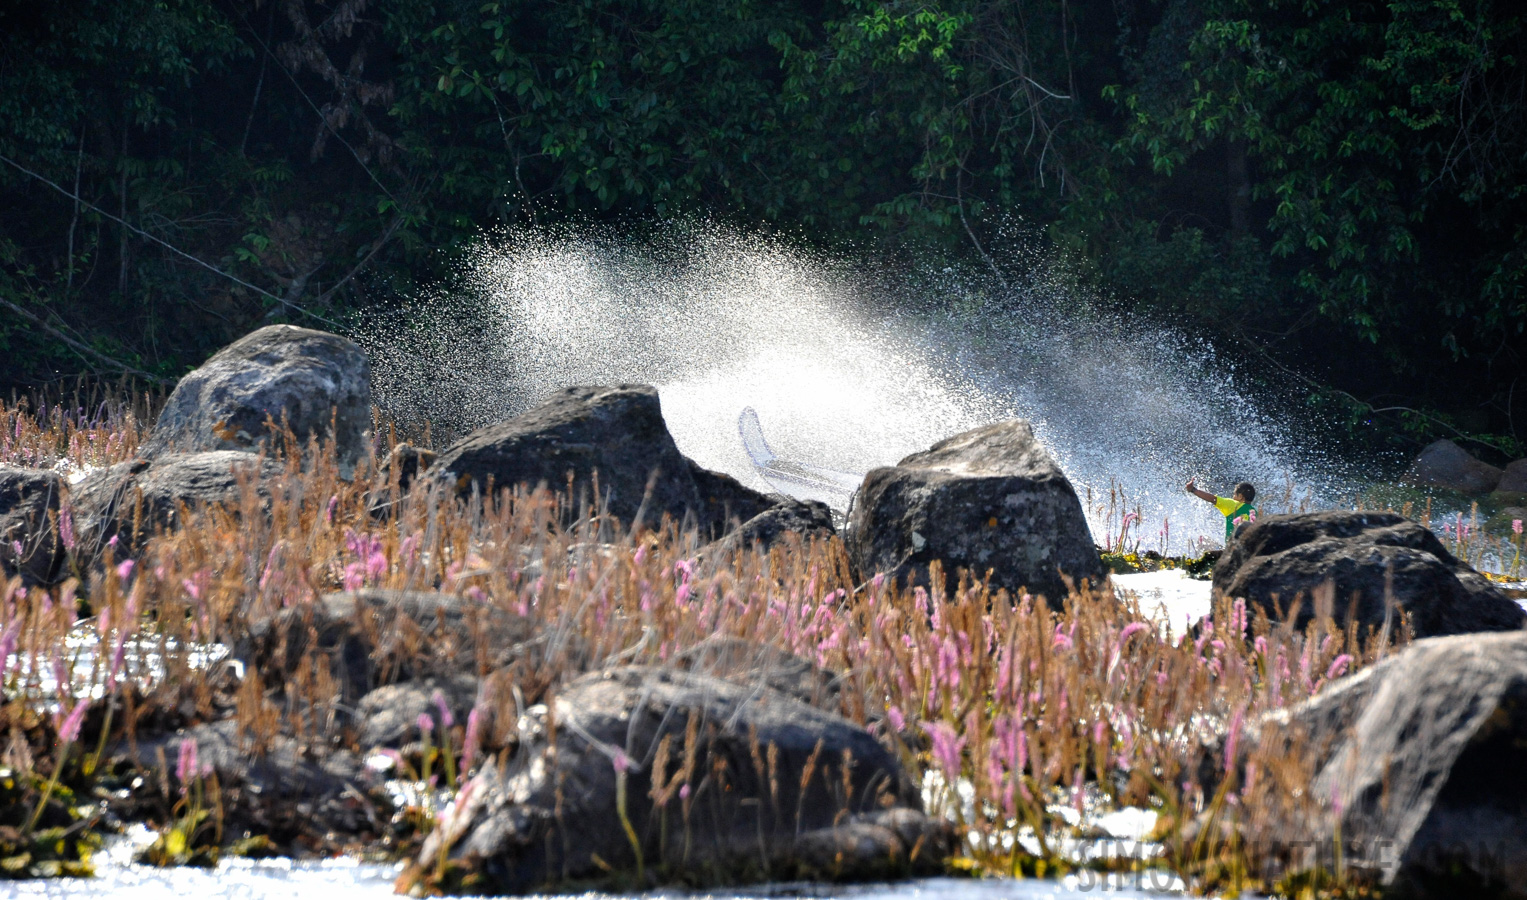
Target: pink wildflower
[(946, 748), (894, 716), (473, 739), (425, 723), (446, 719), (125, 569), (1338, 666), (186, 767), (69, 726), (1233, 738)]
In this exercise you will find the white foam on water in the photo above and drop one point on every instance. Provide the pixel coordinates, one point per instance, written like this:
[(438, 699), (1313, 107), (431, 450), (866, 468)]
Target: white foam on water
[(1168, 596), (848, 367)]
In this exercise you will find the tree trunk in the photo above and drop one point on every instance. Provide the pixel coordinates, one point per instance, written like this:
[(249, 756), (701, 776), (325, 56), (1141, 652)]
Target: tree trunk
[(1240, 189)]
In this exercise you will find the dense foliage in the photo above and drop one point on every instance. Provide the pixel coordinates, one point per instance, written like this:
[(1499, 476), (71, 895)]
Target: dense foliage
[(1334, 185)]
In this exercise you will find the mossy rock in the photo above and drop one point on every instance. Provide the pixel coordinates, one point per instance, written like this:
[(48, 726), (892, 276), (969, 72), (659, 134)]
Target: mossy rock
[(1506, 499), (1500, 523)]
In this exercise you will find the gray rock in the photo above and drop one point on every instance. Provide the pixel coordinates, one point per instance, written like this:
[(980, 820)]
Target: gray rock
[(1444, 464), (750, 663), (1424, 754), (550, 816), (299, 794), (375, 637), (1365, 556), (316, 383), (29, 508), (1514, 478), (807, 519), (988, 499), (133, 500), (618, 432), (389, 715), (725, 500), (277, 766)]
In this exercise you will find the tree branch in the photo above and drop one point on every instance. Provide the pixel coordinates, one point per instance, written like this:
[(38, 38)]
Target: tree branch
[(165, 244), (80, 347)]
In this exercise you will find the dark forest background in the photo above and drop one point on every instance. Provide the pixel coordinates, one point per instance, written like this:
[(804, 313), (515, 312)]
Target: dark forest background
[(1328, 187)]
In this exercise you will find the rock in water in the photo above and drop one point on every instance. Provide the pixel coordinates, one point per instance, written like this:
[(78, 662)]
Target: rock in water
[(1424, 754), (366, 634), (389, 715), (990, 498), (1512, 490), (806, 519), (618, 432), (723, 783), (1514, 478), (29, 507), (318, 384), (1366, 556), (132, 500), (1444, 464)]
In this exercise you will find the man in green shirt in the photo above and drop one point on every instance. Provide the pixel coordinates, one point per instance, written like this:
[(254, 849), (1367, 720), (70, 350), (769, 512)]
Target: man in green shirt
[(1237, 508)]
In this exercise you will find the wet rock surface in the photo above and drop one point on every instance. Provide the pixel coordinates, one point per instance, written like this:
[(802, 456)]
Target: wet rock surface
[(1364, 557), (718, 781), (316, 383), (29, 507), (1444, 464), (132, 500), (1423, 756), (988, 499), (617, 431)]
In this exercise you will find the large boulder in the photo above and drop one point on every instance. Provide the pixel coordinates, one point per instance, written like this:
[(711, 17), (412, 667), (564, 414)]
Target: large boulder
[(130, 501), (807, 520), (1422, 756), (617, 432), (303, 796), (372, 637), (723, 782), (1444, 464), (1513, 479), (1367, 559), (1512, 490), (316, 383), (388, 716), (988, 499), (29, 508)]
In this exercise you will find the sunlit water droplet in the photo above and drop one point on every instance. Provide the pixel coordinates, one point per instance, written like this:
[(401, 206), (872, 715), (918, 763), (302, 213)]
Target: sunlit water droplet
[(848, 368)]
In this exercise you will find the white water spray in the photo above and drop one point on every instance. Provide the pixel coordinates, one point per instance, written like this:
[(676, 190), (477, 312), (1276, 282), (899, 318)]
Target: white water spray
[(847, 368)]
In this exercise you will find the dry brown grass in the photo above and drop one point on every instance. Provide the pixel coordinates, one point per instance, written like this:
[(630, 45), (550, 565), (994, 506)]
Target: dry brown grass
[(1031, 704)]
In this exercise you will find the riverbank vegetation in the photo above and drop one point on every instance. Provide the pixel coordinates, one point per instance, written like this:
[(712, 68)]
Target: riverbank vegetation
[(1025, 719), (1329, 188)]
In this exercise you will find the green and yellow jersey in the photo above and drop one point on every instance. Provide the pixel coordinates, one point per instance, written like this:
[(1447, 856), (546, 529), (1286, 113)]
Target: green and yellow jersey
[(1236, 514)]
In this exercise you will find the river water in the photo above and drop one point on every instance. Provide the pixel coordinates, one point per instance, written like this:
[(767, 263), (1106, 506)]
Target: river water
[(281, 879)]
